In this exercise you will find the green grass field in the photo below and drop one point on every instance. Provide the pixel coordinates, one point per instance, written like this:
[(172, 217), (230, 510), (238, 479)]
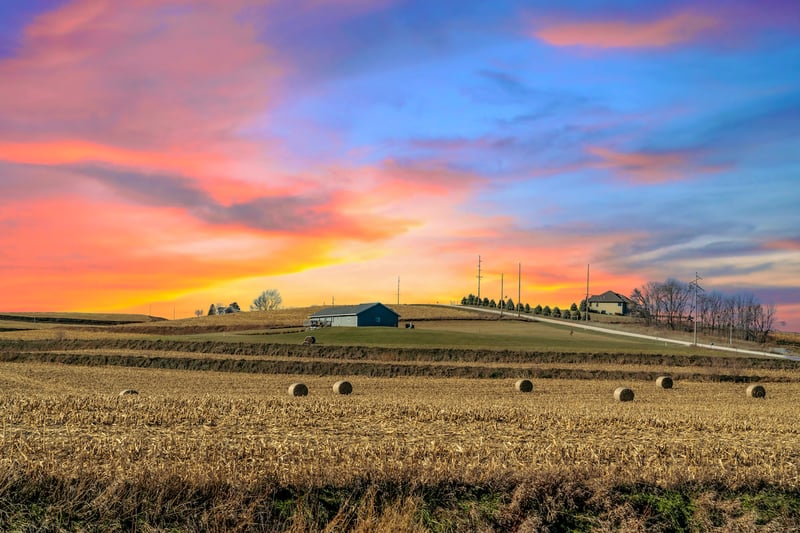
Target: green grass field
[(465, 334)]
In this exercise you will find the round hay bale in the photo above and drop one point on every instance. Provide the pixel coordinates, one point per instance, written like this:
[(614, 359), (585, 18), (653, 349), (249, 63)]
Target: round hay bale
[(664, 382), (298, 389), (756, 391), (128, 392), (524, 385), (623, 394), (309, 340), (342, 387)]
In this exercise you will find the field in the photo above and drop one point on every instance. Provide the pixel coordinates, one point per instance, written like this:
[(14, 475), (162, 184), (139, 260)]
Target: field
[(434, 436)]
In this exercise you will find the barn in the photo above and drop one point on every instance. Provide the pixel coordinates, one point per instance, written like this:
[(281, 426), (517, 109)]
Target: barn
[(372, 314)]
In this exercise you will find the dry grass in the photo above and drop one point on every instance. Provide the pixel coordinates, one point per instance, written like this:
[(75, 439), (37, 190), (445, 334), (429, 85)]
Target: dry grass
[(209, 426)]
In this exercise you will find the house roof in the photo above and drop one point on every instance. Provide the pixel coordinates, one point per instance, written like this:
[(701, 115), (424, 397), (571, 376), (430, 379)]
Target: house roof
[(610, 297), (348, 310)]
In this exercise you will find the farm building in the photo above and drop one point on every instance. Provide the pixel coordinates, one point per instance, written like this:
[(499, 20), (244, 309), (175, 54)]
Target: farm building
[(373, 314), (610, 303)]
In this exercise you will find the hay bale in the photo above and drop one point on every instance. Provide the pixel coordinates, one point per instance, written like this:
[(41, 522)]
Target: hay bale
[(623, 394), (128, 392), (524, 385), (309, 340), (756, 391), (298, 389), (342, 387), (664, 382)]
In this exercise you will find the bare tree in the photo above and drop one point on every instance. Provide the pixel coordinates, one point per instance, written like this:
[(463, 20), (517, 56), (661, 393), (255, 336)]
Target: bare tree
[(668, 303), (267, 301), (198, 313), (675, 296), (648, 301)]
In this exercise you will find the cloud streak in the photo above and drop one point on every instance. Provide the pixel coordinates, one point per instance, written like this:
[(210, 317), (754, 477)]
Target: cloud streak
[(678, 28), (650, 168)]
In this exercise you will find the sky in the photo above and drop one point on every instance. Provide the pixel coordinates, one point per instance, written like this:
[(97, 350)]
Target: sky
[(157, 156)]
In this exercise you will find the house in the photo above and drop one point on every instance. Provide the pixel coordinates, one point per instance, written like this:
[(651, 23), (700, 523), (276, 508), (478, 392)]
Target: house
[(610, 303), (371, 314)]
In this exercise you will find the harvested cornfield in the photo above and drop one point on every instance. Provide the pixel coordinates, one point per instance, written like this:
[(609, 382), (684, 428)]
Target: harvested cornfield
[(217, 447)]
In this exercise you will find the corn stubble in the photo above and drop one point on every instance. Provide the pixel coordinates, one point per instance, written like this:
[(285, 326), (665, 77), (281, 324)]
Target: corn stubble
[(202, 429)]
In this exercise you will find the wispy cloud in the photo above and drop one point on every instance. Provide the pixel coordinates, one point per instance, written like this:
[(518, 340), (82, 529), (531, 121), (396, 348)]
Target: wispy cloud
[(650, 168), (670, 30)]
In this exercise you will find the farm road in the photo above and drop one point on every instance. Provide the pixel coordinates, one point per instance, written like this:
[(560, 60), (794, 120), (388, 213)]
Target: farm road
[(581, 325)]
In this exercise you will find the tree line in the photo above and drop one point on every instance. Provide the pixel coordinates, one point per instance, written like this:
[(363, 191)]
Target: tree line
[(671, 304), (574, 312)]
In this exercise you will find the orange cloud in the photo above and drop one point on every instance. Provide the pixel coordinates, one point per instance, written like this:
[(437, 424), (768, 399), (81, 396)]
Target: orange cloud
[(649, 168), (75, 151), (784, 244), (674, 29)]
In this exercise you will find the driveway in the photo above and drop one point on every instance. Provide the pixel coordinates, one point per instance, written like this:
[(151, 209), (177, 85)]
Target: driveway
[(583, 325)]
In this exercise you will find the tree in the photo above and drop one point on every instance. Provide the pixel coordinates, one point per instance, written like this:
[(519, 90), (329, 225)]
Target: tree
[(573, 307), (212, 310), (567, 314), (492, 304), (557, 312), (527, 308), (486, 302), (510, 305), (537, 310), (546, 311), (267, 301), (198, 312), (464, 300), (576, 315)]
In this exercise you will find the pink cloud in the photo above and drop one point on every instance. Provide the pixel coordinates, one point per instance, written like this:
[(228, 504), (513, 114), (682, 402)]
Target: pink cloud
[(649, 168), (792, 245), (681, 27), (136, 74)]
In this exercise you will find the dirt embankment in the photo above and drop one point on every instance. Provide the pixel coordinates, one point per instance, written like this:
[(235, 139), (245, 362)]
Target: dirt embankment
[(389, 362)]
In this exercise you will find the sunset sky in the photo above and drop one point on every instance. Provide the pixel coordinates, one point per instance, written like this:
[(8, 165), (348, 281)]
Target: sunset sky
[(157, 156)]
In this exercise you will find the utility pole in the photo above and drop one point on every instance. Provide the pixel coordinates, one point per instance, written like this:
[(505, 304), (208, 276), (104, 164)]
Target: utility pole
[(479, 277), (696, 286), (502, 302), (519, 287), (398, 290), (586, 307)]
